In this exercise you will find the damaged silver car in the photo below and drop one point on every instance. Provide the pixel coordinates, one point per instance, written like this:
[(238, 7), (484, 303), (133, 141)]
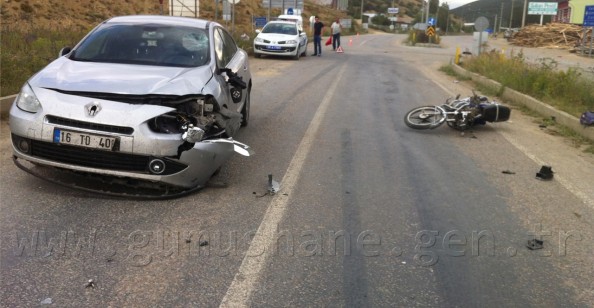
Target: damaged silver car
[(147, 101)]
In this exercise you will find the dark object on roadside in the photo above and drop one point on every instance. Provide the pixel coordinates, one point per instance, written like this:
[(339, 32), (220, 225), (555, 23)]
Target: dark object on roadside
[(90, 284), (203, 243), (545, 173), (495, 112), (587, 118), (507, 172), (534, 244)]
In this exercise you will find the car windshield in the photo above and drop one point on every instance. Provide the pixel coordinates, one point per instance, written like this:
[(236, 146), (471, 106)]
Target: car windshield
[(161, 45), (280, 29)]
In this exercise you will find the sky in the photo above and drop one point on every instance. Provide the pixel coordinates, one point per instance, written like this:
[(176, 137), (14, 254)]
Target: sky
[(456, 3)]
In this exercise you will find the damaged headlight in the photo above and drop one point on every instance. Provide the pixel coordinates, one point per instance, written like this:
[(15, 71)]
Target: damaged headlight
[(27, 101)]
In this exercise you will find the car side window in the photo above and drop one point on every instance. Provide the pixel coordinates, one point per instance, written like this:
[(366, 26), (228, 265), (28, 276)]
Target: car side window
[(225, 47)]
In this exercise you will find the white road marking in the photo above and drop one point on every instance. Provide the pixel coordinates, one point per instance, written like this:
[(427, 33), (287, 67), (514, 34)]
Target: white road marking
[(261, 247)]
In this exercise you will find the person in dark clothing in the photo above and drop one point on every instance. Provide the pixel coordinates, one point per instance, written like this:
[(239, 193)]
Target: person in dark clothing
[(318, 28)]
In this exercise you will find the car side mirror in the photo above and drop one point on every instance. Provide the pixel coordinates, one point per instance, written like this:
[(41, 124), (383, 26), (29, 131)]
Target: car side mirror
[(64, 51), (258, 31)]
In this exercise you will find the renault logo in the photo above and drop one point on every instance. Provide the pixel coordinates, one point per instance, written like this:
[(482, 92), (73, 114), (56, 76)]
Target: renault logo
[(92, 108)]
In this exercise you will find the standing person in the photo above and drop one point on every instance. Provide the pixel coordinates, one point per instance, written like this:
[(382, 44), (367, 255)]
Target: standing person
[(336, 27), (318, 27)]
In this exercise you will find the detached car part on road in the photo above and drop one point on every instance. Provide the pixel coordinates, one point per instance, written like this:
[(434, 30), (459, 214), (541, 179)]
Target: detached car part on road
[(141, 99)]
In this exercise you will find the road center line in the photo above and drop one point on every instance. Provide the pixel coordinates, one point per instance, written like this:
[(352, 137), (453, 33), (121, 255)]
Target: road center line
[(261, 247)]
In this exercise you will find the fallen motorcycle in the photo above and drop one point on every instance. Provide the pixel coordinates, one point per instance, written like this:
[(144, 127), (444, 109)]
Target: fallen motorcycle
[(459, 113)]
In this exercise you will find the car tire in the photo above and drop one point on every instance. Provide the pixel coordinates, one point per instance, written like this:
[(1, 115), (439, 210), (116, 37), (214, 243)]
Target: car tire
[(296, 56), (245, 111)]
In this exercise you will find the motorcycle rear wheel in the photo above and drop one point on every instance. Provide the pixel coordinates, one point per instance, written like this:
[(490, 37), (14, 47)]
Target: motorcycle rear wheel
[(426, 117)]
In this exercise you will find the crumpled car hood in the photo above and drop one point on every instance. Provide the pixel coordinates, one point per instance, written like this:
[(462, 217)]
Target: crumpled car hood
[(67, 75)]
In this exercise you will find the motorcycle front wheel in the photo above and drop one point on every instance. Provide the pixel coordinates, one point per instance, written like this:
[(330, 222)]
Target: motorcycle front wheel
[(426, 117)]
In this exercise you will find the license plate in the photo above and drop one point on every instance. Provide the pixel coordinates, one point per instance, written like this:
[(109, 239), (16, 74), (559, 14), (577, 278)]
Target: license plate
[(84, 139), (274, 47)]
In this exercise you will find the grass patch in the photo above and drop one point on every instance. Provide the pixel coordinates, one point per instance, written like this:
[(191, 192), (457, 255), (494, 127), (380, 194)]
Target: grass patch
[(24, 52), (565, 90), (448, 69)]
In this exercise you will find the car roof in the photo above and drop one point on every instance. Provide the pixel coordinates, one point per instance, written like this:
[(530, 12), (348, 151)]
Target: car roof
[(161, 19)]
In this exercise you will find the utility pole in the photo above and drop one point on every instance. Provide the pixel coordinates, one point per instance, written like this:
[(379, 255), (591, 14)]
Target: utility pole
[(423, 12), (362, 13), (511, 15), (500, 19), (524, 13), (428, 6)]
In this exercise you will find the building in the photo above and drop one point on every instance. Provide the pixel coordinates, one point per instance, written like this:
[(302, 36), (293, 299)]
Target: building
[(571, 11)]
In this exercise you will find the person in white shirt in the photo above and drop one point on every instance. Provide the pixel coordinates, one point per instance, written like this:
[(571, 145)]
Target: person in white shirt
[(336, 27)]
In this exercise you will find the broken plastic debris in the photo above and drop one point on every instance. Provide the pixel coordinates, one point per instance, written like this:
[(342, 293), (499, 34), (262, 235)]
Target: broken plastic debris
[(507, 172), (273, 186), (90, 284), (545, 173), (47, 301), (534, 244)]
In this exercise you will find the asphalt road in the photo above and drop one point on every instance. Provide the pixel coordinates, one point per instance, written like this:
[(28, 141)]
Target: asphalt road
[(370, 212)]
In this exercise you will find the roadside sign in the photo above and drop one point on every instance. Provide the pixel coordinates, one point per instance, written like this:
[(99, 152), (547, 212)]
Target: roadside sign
[(589, 16), (542, 8), (260, 21), (431, 21), (290, 11), (481, 24), (430, 31), (393, 10)]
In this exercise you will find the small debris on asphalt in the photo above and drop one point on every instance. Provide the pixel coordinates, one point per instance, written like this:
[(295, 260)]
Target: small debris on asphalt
[(507, 172), (47, 301), (542, 126), (545, 173), (273, 186), (188, 241), (90, 284), (203, 243), (535, 244)]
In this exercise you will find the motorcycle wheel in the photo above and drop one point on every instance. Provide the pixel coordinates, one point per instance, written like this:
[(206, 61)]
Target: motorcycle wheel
[(426, 117)]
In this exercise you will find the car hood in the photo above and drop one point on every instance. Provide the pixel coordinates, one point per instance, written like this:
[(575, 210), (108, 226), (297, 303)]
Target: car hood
[(277, 37), (68, 75)]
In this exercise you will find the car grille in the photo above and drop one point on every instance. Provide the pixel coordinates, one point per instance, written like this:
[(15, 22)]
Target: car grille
[(91, 126), (80, 156)]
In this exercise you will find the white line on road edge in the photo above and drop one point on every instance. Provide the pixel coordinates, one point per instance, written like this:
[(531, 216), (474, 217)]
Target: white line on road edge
[(260, 250)]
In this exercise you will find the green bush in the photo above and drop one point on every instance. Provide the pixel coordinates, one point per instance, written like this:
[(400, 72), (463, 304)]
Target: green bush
[(24, 52), (566, 90)]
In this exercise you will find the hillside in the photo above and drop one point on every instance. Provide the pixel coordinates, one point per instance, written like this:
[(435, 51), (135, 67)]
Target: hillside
[(87, 13), (84, 14)]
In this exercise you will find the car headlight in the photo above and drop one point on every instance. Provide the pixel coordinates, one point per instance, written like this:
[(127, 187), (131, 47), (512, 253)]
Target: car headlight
[(258, 39), (291, 42), (27, 101)]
